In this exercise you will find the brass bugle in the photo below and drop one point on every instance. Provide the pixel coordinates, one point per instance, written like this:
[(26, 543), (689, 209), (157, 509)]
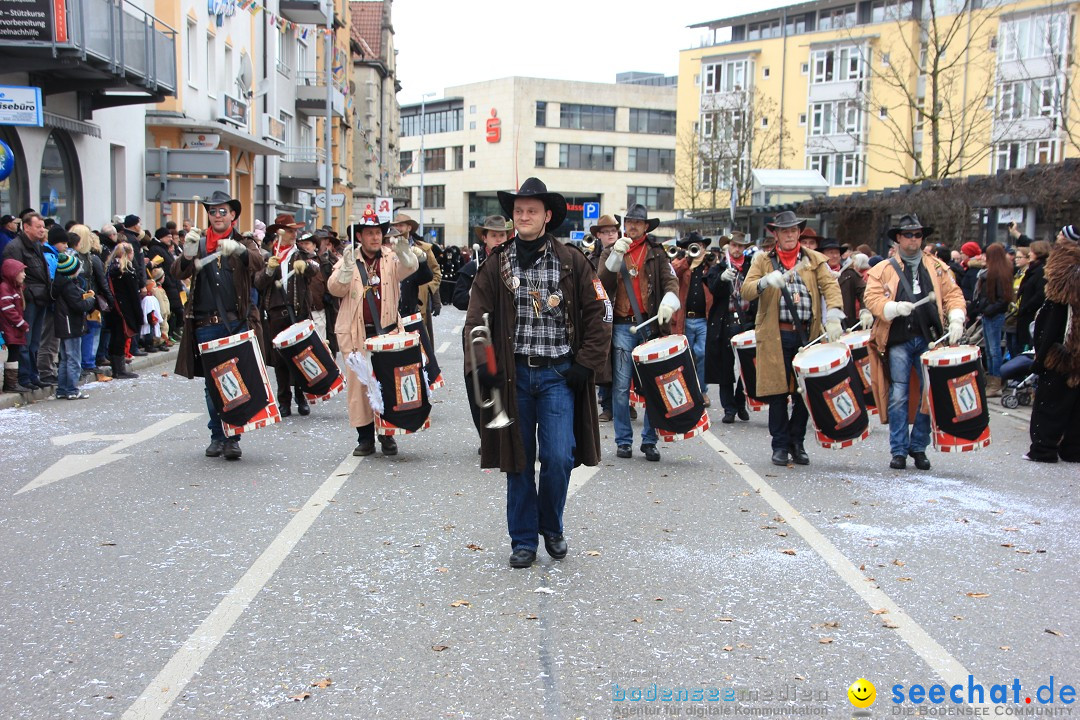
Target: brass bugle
[(694, 250), (588, 244), (672, 252), (480, 340)]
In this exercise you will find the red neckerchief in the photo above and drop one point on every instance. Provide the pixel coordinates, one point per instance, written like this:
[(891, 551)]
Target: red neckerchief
[(737, 264), (212, 238), (282, 251), (788, 258), (637, 253), (838, 268)]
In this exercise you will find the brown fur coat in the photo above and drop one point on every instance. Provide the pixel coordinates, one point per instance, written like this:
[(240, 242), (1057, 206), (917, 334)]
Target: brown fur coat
[(1063, 288)]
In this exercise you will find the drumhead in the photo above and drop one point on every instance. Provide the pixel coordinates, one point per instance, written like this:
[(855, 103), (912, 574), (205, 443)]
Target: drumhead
[(820, 359), (944, 356), (410, 319), (226, 341), (660, 348), (744, 339), (856, 338), (390, 343), (293, 334)]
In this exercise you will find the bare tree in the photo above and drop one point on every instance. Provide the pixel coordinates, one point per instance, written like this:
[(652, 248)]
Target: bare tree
[(687, 173)]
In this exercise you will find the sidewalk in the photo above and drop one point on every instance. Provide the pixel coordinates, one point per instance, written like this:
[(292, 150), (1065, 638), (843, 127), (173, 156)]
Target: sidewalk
[(10, 400)]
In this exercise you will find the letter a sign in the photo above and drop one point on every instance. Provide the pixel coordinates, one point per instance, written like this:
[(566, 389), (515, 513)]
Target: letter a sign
[(384, 208)]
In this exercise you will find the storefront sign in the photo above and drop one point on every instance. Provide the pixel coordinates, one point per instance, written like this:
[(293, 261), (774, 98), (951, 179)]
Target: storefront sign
[(20, 106), (33, 20), (384, 208), (494, 128), (234, 110), (200, 141), (273, 129)]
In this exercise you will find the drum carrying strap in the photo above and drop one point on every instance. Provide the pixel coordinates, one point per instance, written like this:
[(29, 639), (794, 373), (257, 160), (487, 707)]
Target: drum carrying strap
[(905, 283), (215, 290), (800, 328), (628, 285), (370, 301)]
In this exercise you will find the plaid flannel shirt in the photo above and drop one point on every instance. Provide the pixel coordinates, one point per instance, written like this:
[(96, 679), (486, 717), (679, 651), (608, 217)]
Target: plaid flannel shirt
[(800, 297), (544, 334)]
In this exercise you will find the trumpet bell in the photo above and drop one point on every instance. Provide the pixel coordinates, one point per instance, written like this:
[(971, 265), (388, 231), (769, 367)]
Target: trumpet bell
[(500, 421)]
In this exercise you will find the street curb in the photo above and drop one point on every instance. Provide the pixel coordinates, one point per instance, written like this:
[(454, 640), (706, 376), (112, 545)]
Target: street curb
[(14, 400)]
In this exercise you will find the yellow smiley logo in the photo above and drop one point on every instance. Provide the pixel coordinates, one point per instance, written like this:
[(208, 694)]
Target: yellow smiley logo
[(862, 693)]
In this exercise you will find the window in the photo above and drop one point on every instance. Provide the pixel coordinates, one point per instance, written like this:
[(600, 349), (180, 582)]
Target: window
[(657, 122), (472, 124), (192, 52), (405, 161), (435, 121), (1027, 99), (59, 183), (472, 164), (459, 157), (724, 77), (654, 198), (654, 160), (284, 49), (307, 135), (287, 120), (541, 154), (472, 148), (211, 66), (836, 18), (765, 72), (472, 109), (725, 125), (837, 65), (434, 196), (1034, 36), (227, 67), (434, 159), (1018, 154), (764, 122), (541, 113), (882, 10), (805, 68), (303, 56), (587, 157), (587, 117), (802, 118), (763, 30), (838, 168), (795, 25)]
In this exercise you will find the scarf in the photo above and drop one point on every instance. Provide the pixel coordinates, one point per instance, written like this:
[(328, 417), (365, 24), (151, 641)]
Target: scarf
[(788, 258), (281, 252), (529, 251), (212, 239)]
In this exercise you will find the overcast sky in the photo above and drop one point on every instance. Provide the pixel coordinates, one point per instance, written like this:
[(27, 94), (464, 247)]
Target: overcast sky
[(450, 42)]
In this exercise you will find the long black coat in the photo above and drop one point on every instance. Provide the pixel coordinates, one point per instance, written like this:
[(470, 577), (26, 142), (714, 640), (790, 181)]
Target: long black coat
[(37, 284), (720, 316), (1032, 293)]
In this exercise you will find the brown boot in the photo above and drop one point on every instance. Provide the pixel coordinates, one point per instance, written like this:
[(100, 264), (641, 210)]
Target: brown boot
[(993, 386)]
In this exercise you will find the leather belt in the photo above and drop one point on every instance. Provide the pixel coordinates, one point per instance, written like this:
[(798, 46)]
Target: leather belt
[(787, 327), (623, 320), (692, 314), (214, 319), (540, 361)]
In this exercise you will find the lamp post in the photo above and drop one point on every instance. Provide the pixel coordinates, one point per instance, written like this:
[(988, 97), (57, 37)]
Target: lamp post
[(423, 103), (328, 180)]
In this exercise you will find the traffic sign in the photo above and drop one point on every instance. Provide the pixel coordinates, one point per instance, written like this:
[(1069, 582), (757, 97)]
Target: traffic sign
[(336, 200), (577, 235), (591, 211)]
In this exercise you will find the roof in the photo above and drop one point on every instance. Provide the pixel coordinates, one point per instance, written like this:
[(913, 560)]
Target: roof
[(367, 18), (793, 9), (779, 179)]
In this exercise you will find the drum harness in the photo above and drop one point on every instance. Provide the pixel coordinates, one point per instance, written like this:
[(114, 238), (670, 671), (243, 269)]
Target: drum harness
[(906, 284), (215, 286), (800, 328), (628, 285), (367, 298)]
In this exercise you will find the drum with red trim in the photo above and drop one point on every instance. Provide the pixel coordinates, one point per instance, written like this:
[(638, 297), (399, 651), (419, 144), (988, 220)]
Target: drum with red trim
[(959, 417), (858, 342), (397, 363), (833, 393), (664, 369), (300, 344), (745, 346), (415, 323), (237, 382)]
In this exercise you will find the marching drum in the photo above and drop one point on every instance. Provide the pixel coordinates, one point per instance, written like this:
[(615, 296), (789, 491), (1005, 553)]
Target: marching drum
[(397, 363), (238, 384), (666, 377), (320, 378), (954, 379), (858, 343), (833, 394), (415, 324), (745, 346)]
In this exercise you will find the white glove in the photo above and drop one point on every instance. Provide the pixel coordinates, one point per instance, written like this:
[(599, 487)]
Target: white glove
[(621, 246), (299, 267), (404, 253), (729, 275), (419, 253), (228, 246), (774, 279), (895, 309), (191, 244), (348, 257), (668, 305), (834, 328), (866, 319), (956, 326)]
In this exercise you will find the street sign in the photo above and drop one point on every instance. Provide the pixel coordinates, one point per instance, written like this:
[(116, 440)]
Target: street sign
[(577, 235), (20, 105), (183, 189), (336, 200), (384, 208), (591, 211), (166, 161), (166, 209)]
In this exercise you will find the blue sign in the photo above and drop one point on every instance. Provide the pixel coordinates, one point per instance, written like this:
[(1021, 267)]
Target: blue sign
[(591, 211), (21, 106), (7, 161), (577, 235)]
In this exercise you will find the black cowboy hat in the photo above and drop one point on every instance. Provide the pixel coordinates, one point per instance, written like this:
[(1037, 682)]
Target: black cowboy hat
[(637, 211), (370, 221), (493, 222), (534, 188), (694, 237), (909, 223), (219, 197), (786, 219), (827, 243)]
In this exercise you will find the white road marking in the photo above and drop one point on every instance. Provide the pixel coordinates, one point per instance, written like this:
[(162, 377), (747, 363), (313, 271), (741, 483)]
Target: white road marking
[(579, 476), (457, 329), (164, 689), (442, 348), (938, 658), (72, 465)]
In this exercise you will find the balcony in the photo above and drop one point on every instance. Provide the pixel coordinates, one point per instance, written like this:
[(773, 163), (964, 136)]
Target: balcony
[(103, 45), (311, 94), (305, 12), (303, 167)]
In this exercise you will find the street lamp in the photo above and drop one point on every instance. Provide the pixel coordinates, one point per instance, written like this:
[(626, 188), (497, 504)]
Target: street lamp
[(423, 101)]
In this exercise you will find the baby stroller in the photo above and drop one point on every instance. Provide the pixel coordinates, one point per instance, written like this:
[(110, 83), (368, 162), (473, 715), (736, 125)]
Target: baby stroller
[(1019, 387)]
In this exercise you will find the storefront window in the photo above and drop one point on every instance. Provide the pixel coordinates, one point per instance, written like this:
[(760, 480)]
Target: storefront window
[(13, 187), (60, 185)]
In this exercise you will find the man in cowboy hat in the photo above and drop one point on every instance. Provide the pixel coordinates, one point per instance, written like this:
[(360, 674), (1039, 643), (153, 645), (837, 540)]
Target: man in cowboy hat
[(636, 272), (794, 289), (606, 232), (695, 297), (408, 227), (219, 286), (413, 285), (283, 299), (729, 315), (551, 332), (369, 306), (902, 332), (830, 248)]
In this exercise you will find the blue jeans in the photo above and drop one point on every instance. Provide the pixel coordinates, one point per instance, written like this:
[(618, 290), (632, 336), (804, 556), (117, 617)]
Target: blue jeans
[(604, 392), (70, 366), (34, 315), (89, 344), (624, 343), (204, 334), (902, 358), (992, 329), (545, 419), (696, 329)]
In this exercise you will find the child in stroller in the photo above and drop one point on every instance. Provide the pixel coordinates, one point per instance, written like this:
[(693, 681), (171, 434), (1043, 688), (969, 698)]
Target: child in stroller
[(1019, 388)]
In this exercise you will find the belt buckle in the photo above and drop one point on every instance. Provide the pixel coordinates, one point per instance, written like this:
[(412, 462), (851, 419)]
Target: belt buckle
[(529, 361)]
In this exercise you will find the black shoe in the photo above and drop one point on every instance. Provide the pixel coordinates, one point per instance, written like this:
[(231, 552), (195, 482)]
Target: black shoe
[(921, 461), (633, 413), (364, 448), (388, 444), (522, 558), (899, 462), (729, 418), (285, 410), (136, 352), (232, 449), (624, 451), (798, 454), (302, 405), (743, 414), (556, 546), (215, 448), (780, 457), (651, 453)]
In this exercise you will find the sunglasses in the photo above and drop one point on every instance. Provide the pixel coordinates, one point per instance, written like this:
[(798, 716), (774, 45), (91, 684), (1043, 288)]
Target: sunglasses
[(916, 234), (220, 212)]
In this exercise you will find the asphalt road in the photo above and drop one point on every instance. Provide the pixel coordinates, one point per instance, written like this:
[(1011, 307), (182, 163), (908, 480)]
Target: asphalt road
[(144, 580)]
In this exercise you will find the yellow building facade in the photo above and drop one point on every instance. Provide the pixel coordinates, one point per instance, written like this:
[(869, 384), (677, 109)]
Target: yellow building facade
[(875, 94)]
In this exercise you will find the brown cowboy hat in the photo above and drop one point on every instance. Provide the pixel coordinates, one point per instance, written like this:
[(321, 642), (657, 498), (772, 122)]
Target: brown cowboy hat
[(403, 218), (739, 238), (493, 222), (285, 221), (603, 222), (786, 219)]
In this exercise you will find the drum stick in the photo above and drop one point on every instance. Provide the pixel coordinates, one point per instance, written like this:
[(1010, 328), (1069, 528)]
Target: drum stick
[(634, 328), (198, 204), (939, 341), (928, 299), (815, 341)]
